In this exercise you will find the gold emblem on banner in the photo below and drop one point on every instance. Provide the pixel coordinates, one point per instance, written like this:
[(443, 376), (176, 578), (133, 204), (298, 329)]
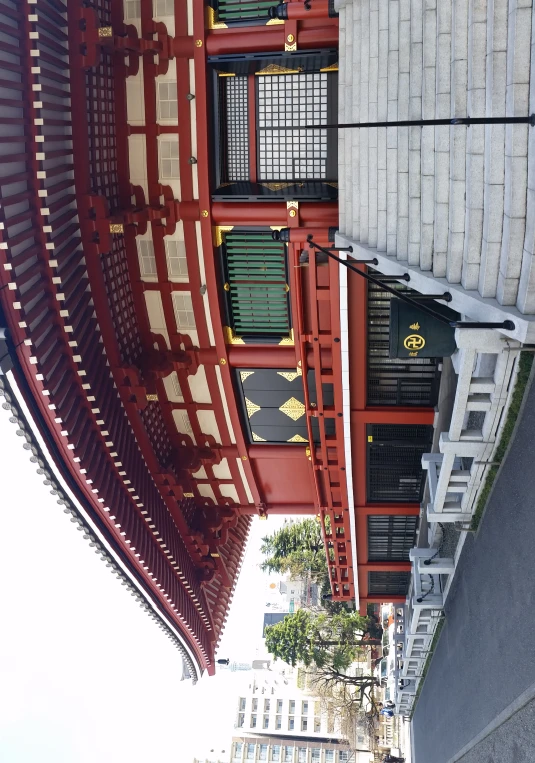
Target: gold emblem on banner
[(414, 342), (415, 326)]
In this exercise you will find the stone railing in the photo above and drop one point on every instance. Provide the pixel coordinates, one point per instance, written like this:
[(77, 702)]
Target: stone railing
[(485, 363), (415, 623)]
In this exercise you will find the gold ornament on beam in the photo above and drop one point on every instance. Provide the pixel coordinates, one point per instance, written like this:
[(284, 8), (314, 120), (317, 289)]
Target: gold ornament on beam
[(252, 408), (288, 375), (297, 438), (276, 186), (105, 31), (218, 231), (276, 69), (211, 22), (331, 68), (230, 336), (290, 44), (288, 340), (293, 408)]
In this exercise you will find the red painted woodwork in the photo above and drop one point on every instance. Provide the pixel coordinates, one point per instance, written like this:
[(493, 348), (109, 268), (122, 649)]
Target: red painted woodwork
[(273, 213), (81, 306), (299, 9), (261, 356), (285, 480), (270, 38)]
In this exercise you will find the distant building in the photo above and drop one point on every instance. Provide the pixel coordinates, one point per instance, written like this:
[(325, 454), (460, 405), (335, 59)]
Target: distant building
[(270, 618), (276, 705), (288, 750)]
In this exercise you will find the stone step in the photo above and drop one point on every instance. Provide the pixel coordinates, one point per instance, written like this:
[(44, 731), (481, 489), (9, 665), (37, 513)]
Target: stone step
[(475, 145), (361, 82), (516, 149), (343, 117), (526, 286), (445, 199)]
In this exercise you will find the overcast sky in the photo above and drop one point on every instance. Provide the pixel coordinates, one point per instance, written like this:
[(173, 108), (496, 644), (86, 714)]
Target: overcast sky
[(85, 675)]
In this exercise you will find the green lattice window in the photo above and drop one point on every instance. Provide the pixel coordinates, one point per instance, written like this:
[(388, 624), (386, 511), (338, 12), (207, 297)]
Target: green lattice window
[(232, 11), (256, 285)]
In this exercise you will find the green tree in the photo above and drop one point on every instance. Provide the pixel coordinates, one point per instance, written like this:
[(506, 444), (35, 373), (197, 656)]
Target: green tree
[(297, 548), (323, 640)]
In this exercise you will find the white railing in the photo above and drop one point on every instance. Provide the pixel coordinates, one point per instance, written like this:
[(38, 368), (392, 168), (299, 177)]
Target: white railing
[(485, 363), (416, 623)]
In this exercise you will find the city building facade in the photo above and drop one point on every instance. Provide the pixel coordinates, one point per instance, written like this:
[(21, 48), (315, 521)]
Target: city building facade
[(288, 750)]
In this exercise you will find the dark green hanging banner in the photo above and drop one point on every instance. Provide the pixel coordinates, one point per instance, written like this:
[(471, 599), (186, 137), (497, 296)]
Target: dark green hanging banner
[(414, 334)]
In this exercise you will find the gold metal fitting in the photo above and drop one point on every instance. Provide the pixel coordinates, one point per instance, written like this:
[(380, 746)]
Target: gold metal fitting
[(198, 43), (204, 213), (292, 213), (222, 362)]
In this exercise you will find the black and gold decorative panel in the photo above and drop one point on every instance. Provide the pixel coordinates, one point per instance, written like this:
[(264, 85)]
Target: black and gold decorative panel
[(273, 405)]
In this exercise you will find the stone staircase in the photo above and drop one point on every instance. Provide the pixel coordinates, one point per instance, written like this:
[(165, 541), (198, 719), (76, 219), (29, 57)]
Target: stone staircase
[(456, 202)]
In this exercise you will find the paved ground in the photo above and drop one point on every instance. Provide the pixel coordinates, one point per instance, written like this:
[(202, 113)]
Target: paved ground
[(485, 657), (512, 742)]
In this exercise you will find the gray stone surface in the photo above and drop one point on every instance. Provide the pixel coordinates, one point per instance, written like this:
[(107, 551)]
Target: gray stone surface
[(485, 657), (446, 199), (512, 742)]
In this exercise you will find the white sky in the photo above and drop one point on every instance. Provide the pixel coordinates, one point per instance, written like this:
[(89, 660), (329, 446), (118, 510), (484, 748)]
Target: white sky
[(85, 675)]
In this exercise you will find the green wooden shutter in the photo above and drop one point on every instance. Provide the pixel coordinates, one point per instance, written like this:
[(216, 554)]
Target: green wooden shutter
[(243, 10), (257, 283)]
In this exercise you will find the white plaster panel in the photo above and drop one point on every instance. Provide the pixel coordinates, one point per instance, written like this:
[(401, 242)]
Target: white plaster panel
[(137, 155), (202, 275), (229, 491), (244, 480), (153, 300), (207, 492), (163, 10), (200, 474), (225, 406), (208, 424), (168, 152), (172, 388), (199, 387), (183, 424), (135, 99), (222, 470)]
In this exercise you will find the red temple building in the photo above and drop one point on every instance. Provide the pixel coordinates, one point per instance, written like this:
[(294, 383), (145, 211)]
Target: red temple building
[(185, 371)]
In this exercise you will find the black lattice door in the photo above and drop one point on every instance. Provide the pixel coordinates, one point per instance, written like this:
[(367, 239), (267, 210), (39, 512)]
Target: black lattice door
[(394, 463)]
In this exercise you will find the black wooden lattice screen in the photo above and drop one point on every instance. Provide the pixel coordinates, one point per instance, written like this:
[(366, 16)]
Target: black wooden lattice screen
[(394, 464), (395, 381), (388, 583), (236, 128), (390, 538)]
